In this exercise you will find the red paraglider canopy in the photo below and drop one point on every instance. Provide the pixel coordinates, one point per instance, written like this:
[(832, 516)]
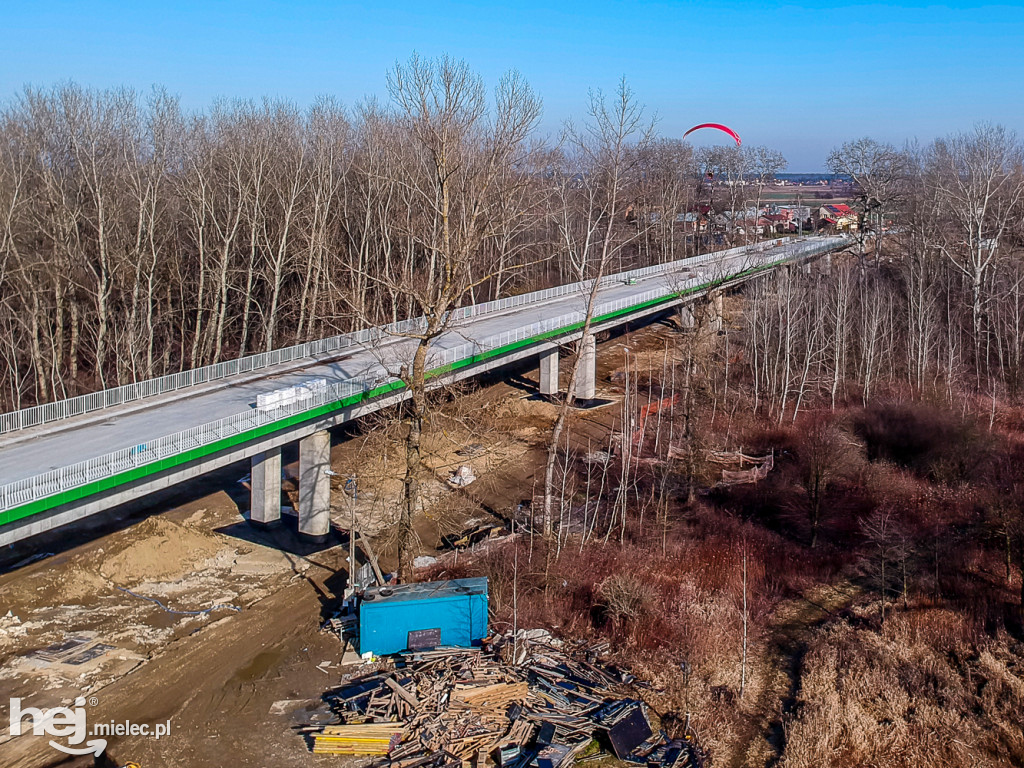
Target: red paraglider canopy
[(717, 126)]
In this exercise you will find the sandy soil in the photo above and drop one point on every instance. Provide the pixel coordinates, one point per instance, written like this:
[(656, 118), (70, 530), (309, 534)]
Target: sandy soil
[(260, 593)]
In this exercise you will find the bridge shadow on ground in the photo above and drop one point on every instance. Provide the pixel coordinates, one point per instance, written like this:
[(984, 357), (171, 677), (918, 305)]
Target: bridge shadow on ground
[(515, 378), (68, 537), (283, 536)]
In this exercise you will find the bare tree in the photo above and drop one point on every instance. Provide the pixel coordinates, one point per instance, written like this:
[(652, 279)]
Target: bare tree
[(884, 561), (458, 149), (666, 193), (592, 189), (724, 171), (825, 453), (764, 164), (877, 170), (979, 178)]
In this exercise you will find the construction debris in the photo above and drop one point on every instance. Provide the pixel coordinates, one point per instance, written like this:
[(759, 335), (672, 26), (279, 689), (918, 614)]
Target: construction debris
[(597, 457), (11, 626), (462, 477), (75, 650), (465, 550), (521, 703), (473, 535), (369, 739), (762, 465)]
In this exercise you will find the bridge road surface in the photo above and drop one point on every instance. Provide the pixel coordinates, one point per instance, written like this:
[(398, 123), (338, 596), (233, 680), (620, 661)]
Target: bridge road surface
[(32, 451)]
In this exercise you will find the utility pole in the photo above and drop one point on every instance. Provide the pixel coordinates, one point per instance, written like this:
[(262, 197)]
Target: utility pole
[(350, 482)]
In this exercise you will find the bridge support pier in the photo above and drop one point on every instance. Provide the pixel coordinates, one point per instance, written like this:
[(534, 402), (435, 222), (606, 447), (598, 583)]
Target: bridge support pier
[(826, 264), (686, 319), (549, 372), (714, 311), (265, 508), (586, 374), (805, 267), (315, 485)]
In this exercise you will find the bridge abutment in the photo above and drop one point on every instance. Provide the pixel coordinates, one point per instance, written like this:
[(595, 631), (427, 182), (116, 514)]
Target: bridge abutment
[(315, 485)]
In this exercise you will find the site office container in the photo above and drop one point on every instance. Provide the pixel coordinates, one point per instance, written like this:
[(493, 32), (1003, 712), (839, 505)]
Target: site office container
[(453, 612)]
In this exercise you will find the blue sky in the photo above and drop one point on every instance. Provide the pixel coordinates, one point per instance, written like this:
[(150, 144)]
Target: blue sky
[(799, 77)]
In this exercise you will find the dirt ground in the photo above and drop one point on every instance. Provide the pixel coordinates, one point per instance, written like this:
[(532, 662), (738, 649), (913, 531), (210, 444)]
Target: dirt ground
[(232, 654), (262, 594)]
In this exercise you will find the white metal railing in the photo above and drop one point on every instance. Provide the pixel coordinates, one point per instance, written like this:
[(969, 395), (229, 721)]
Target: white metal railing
[(55, 481), (94, 401)]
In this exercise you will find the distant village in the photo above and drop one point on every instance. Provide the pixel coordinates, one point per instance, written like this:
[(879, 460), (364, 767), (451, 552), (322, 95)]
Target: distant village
[(766, 220), (775, 209)]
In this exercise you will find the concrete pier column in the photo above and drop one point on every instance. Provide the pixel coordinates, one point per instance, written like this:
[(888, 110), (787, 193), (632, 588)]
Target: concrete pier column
[(686, 319), (586, 375), (265, 508), (549, 372), (315, 485), (805, 267), (826, 264), (716, 308)]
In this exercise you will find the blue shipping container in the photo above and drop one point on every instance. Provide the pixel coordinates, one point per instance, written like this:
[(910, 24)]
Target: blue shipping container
[(453, 611)]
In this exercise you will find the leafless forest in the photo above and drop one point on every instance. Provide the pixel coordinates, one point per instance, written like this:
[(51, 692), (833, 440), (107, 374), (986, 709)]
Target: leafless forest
[(139, 239)]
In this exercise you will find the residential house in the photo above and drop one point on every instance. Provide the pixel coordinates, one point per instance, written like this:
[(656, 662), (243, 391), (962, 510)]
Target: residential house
[(839, 216), (798, 216)]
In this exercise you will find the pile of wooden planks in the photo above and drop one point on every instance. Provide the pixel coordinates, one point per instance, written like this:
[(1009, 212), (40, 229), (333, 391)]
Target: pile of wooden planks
[(365, 739), (489, 700), (451, 707)]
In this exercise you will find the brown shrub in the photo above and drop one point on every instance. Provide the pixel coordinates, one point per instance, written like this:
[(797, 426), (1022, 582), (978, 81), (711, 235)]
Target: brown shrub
[(625, 596), (939, 444)]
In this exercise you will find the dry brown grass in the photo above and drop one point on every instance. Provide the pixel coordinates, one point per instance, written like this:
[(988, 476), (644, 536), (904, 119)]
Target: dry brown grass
[(924, 690)]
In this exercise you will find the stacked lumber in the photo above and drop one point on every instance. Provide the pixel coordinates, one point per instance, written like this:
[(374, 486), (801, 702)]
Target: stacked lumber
[(449, 707), (366, 739), (491, 699)]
